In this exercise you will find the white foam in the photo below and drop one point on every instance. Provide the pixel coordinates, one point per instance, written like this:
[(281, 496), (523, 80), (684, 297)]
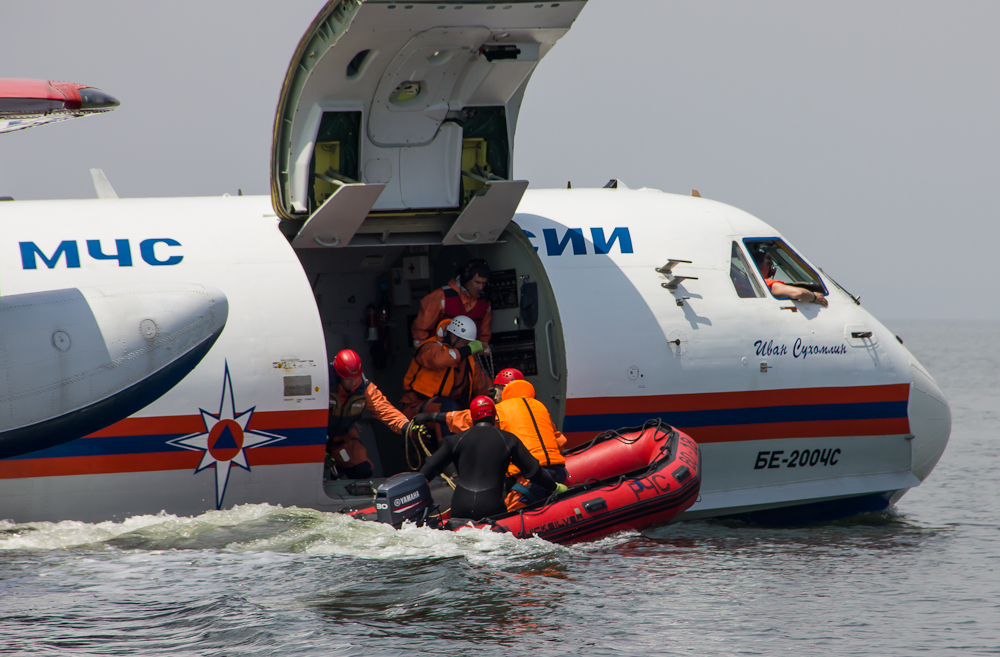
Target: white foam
[(266, 528)]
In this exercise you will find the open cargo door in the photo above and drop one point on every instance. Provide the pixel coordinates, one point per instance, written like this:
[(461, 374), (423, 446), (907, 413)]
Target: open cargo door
[(395, 124)]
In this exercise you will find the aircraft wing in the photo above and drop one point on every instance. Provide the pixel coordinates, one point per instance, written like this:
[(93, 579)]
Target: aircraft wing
[(27, 103)]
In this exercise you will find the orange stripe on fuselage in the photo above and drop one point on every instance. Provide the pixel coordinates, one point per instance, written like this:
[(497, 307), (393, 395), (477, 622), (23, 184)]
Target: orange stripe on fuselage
[(182, 424)]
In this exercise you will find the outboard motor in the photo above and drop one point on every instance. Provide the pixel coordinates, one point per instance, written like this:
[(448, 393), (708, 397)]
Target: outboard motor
[(406, 496)]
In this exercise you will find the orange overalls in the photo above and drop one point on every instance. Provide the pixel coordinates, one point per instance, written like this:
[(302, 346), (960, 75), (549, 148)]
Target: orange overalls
[(343, 445), (447, 302), (439, 370)]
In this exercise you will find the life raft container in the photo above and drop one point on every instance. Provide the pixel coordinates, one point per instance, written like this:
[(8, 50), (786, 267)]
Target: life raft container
[(629, 479)]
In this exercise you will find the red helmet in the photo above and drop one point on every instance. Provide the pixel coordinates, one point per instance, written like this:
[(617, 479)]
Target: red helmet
[(482, 407), (347, 364), (508, 375)]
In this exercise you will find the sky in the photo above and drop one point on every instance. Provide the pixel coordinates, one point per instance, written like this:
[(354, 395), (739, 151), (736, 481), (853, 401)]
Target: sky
[(865, 133)]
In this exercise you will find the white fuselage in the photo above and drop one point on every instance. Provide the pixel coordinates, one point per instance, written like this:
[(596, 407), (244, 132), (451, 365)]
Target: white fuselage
[(788, 405)]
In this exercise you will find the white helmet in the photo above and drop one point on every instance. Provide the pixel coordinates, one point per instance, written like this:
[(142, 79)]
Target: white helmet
[(463, 327)]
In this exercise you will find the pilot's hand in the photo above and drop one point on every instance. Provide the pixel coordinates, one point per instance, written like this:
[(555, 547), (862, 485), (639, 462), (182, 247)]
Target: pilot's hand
[(476, 346), (561, 488), (423, 418), (820, 299)]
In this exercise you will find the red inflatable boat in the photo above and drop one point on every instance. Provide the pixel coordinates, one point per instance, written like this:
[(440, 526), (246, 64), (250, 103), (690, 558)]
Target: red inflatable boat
[(633, 478)]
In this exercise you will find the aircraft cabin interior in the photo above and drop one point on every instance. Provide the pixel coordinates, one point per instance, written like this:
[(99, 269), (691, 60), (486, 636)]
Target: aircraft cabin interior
[(369, 296)]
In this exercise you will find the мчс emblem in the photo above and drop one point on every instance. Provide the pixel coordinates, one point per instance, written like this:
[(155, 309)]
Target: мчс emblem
[(225, 439)]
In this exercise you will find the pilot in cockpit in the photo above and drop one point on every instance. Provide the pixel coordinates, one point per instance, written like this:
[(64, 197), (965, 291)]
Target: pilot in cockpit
[(780, 289)]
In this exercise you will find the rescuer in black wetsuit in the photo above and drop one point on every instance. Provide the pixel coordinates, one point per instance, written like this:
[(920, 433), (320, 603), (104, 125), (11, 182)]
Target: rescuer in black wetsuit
[(481, 455)]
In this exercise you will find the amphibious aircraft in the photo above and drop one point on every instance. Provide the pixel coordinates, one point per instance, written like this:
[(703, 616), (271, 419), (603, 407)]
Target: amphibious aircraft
[(195, 341)]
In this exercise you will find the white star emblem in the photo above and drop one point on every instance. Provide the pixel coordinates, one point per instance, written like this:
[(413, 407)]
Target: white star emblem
[(225, 439)]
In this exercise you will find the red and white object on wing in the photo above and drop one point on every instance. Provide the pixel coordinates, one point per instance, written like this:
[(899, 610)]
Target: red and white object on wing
[(27, 103)]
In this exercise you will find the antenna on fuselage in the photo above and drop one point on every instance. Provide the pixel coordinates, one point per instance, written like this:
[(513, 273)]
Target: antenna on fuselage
[(101, 184)]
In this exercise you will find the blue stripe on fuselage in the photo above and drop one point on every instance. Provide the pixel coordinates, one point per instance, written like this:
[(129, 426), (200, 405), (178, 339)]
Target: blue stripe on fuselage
[(112, 445), (741, 416)]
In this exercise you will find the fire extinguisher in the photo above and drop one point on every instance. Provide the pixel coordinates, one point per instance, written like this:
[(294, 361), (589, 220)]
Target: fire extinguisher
[(378, 327), (372, 323), (382, 321)]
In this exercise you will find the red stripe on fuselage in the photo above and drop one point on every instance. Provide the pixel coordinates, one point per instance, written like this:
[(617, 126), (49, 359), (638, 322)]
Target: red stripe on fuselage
[(740, 432), (710, 401), (151, 462)]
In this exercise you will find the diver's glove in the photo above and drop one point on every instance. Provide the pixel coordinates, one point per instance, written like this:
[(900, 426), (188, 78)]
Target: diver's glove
[(475, 346), (424, 432), (561, 488)]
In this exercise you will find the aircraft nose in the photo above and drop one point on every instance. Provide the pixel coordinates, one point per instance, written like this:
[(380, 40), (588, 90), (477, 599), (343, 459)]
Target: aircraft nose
[(930, 420), (92, 98)]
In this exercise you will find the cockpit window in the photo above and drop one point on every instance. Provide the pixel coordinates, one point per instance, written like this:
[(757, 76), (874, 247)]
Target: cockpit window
[(745, 283), (776, 262)]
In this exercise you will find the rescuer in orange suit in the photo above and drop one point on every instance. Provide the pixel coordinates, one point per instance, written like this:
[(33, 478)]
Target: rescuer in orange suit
[(444, 375), (463, 295), (528, 419), (504, 377), (350, 395)]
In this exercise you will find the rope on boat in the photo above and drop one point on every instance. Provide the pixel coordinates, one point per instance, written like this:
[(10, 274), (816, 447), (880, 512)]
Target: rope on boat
[(412, 438), (485, 361), (619, 434)]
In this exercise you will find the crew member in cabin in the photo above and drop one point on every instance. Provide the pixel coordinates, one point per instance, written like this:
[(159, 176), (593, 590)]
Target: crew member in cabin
[(463, 295), (444, 375), (504, 377), (482, 454), (528, 419), (765, 263), (350, 395)]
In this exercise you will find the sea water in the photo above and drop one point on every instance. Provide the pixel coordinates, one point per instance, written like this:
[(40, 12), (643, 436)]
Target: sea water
[(263, 580)]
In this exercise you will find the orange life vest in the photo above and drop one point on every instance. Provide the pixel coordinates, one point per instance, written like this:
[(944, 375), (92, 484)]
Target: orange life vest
[(344, 414), (438, 383), (528, 419)]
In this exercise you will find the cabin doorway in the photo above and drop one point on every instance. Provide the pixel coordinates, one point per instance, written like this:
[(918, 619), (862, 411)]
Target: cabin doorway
[(368, 297)]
